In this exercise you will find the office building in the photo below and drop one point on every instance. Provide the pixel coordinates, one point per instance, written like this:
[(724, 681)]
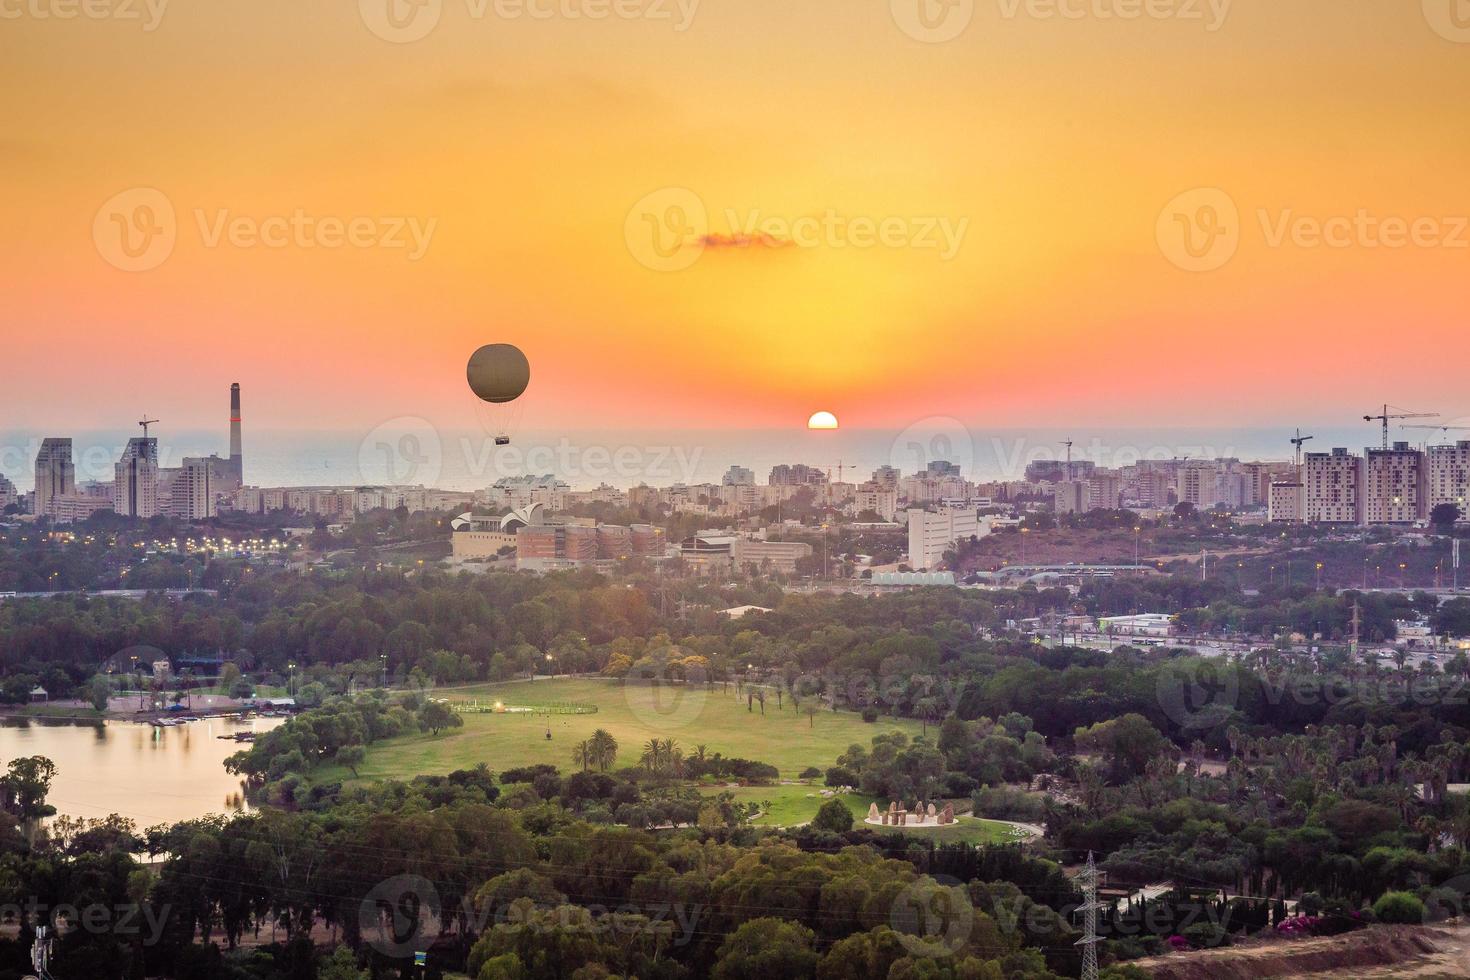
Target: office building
[(933, 532), (779, 557), (738, 476), (8, 496)]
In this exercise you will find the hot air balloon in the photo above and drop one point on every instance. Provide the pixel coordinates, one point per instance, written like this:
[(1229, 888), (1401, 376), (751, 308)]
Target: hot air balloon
[(498, 374)]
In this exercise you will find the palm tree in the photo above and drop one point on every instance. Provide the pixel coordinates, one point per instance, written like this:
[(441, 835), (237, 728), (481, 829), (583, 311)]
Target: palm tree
[(582, 754), (604, 749)]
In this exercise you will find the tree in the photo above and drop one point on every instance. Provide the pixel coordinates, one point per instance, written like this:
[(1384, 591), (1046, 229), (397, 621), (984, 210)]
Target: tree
[(99, 691), (767, 947), (341, 965), (1444, 516), (833, 816), (604, 749), (1126, 743), (24, 787), (350, 756), (435, 716)]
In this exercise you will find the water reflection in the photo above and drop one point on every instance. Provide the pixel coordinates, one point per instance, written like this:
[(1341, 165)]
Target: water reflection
[(150, 775)]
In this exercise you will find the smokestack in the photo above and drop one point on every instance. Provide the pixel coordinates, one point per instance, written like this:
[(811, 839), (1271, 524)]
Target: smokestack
[(237, 462)]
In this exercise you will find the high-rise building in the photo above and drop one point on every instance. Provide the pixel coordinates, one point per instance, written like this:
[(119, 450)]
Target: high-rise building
[(191, 491), (1069, 497), (8, 495), (135, 479), (886, 477), (1333, 487), (795, 475), (1394, 485), (55, 475), (739, 476), (237, 458), (1448, 477)]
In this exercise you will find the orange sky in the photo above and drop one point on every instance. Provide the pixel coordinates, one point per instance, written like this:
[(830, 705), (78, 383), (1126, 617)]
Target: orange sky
[(524, 144)]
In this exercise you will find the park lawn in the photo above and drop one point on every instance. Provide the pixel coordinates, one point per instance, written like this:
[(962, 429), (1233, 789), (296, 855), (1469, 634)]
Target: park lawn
[(790, 804), (717, 719), (796, 804)]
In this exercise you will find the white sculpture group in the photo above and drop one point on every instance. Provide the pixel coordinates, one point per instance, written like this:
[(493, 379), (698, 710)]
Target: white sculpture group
[(919, 816)]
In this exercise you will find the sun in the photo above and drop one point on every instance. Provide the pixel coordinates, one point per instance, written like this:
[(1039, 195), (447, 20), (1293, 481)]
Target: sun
[(822, 420)]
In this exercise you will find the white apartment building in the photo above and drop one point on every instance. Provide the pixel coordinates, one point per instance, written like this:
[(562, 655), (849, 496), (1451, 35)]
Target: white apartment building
[(1394, 489), (932, 533), (8, 495), (1333, 487), (1447, 472)]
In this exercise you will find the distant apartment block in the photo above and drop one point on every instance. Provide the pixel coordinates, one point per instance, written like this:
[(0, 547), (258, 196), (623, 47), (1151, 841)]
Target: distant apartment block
[(1287, 502), (1394, 485), (933, 532), (135, 479), (1447, 477), (738, 476), (1333, 487)]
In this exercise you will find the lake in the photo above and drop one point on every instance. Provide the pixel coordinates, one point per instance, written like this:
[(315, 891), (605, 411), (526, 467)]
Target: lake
[(149, 775)]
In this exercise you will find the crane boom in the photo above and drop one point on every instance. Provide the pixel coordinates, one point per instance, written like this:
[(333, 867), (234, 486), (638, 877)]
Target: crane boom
[(1398, 413)]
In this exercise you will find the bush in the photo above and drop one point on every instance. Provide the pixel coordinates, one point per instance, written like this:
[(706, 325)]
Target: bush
[(1399, 907), (834, 816), (870, 714), (1207, 935)]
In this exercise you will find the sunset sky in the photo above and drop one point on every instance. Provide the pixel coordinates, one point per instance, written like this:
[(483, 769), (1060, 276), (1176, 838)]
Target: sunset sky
[(524, 145)]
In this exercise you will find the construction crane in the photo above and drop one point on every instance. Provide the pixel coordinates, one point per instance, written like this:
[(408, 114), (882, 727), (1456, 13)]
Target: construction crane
[(1398, 413), (145, 422), (1439, 428), (1297, 442)]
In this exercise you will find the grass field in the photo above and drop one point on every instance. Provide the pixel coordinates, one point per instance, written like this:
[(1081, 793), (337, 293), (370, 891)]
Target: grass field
[(798, 804), (633, 714)]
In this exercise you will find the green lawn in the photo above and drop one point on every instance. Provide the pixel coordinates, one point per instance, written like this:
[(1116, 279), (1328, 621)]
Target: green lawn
[(798, 804), (633, 714)]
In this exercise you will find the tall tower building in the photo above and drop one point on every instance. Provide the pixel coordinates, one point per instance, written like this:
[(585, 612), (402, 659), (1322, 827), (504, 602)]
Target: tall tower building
[(237, 459), (55, 475), (135, 479)]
